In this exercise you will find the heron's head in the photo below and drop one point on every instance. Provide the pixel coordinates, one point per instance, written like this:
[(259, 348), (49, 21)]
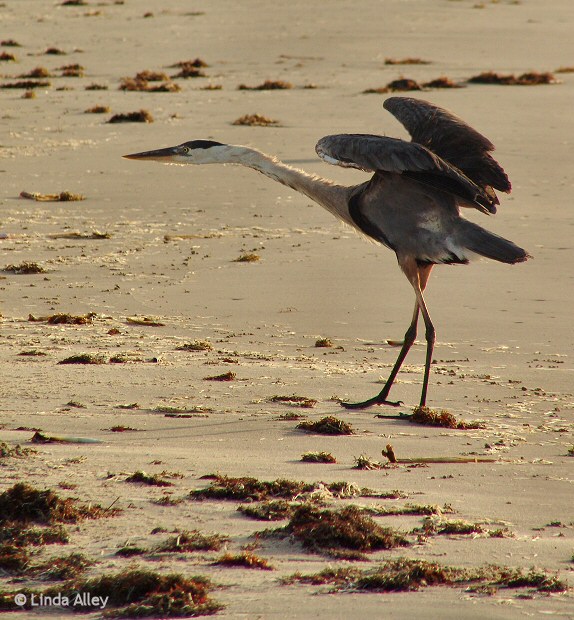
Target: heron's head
[(193, 152)]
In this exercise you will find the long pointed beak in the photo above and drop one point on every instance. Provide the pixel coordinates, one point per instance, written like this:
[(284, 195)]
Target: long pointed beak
[(163, 155)]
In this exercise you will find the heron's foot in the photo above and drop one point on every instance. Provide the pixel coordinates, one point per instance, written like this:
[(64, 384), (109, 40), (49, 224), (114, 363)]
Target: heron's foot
[(376, 400)]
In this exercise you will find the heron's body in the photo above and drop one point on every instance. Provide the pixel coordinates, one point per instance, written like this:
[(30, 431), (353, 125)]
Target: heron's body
[(411, 204)]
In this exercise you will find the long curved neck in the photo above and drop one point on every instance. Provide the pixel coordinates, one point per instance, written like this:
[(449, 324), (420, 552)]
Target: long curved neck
[(328, 194)]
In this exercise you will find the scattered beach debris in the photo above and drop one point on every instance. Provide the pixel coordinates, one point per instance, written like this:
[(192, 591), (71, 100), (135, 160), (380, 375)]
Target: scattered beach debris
[(148, 321), (319, 529), (98, 109), (142, 116), (390, 454), (365, 462), (16, 452), (54, 51), (38, 72), (27, 84), (245, 559), (24, 503), (245, 488), (247, 258), (27, 267), (328, 425), (74, 70), (130, 551), (96, 87), (155, 480), (531, 78), (38, 437), (196, 345), (443, 418), (404, 575), (61, 197), (442, 82), (267, 85), (274, 510), (95, 234), (131, 593), (406, 61), (192, 540), (324, 343), (294, 401), (226, 376), (84, 358), (142, 85), (255, 120), (64, 318), (318, 457), (7, 57)]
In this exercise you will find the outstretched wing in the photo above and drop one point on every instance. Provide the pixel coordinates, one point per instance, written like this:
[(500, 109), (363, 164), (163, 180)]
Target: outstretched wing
[(451, 139), (378, 153)]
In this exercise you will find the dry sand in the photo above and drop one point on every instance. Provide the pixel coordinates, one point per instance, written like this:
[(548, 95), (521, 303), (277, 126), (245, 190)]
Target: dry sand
[(505, 338)]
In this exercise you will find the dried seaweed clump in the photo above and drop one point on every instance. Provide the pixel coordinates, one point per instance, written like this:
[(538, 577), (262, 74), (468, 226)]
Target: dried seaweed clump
[(64, 196), (531, 78), (245, 559), (7, 57), (268, 85), (406, 61), (74, 70), (248, 257), (224, 487), (26, 84), (318, 457), (190, 541), (84, 358), (38, 72), (226, 376), (328, 425), (400, 85), (442, 82), (16, 452), (142, 116), (348, 528), (23, 503), (196, 345), (324, 343), (294, 401), (26, 267), (97, 109), (405, 574), (65, 318), (151, 480), (274, 510), (255, 120), (142, 85), (132, 594), (442, 418)]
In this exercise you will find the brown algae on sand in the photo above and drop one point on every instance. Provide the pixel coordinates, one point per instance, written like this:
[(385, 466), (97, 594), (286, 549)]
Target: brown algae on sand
[(328, 425), (64, 318), (132, 593), (268, 85), (273, 510), (245, 559), (348, 528), (226, 376), (294, 401), (442, 418), (27, 267), (193, 540), (141, 116), (252, 489), (532, 78), (255, 120), (24, 503), (140, 477), (249, 257), (84, 358), (318, 457), (64, 196)]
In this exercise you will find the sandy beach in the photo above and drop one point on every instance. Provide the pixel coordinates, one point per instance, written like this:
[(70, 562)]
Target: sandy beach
[(209, 361)]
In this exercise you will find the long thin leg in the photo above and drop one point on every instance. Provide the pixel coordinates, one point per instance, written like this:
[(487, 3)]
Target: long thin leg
[(430, 333), (418, 276)]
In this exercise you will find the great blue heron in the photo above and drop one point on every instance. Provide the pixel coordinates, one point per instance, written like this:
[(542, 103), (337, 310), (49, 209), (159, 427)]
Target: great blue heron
[(410, 204)]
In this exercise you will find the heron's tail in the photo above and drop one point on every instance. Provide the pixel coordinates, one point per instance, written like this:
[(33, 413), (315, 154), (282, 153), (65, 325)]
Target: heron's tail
[(487, 244)]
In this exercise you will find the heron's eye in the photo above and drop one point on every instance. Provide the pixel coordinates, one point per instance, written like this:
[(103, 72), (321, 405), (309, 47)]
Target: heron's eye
[(184, 150)]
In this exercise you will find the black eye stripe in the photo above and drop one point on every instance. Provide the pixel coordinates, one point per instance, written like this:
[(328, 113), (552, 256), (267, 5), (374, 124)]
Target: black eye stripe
[(201, 144)]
